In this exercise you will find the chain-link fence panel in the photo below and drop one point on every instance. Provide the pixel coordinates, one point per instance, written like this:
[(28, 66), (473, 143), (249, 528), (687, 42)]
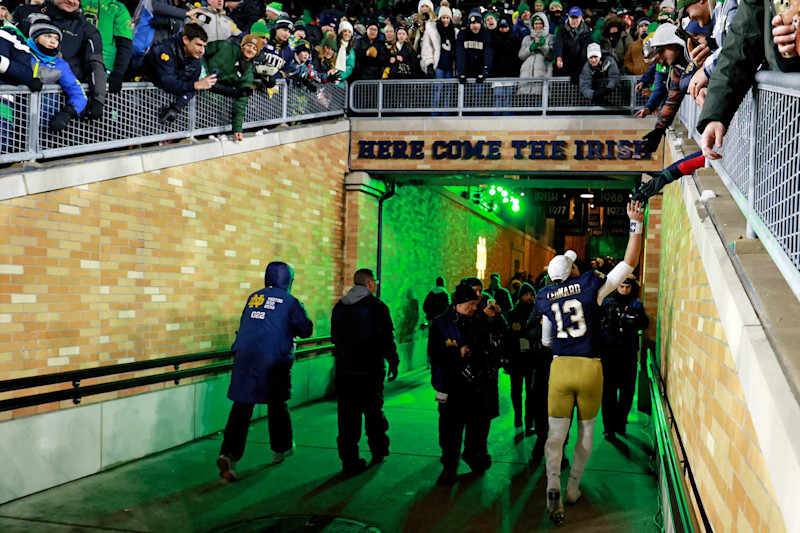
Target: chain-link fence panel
[(265, 106), (130, 117), (317, 100), (776, 194), (736, 148), (16, 141), (213, 113)]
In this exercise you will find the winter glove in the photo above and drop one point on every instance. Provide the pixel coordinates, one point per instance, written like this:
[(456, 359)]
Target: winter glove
[(35, 85), (94, 110), (333, 78), (431, 74), (542, 41), (243, 91), (372, 52), (114, 83), (167, 115), (462, 80), (651, 188), (599, 95), (392, 373), (534, 46), (60, 120), (479, 79), (653, 139)]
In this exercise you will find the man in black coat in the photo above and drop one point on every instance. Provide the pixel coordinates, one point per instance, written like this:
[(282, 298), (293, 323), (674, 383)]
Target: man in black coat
[(363, 336), (371, 55), (81, 46), (464, 374), (570, 45), (518, 349)]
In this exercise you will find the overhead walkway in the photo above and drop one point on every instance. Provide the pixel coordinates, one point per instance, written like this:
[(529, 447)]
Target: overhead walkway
[(179, 490)]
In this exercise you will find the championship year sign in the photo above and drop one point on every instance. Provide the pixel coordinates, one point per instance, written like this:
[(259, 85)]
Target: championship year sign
[(587, 149)]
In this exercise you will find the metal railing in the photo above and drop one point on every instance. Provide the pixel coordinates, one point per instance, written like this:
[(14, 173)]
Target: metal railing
[(761, 165), (130, 118), (306, 347), (496, 95)]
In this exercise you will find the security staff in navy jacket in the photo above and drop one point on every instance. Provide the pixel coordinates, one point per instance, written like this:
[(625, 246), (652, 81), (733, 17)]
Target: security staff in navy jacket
[(263, 355), (474, 50), (464, 374), (623, 317), (363, 336)]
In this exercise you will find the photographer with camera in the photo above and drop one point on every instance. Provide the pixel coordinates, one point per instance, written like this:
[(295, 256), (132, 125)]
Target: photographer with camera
[(464, 375), (622, 319)]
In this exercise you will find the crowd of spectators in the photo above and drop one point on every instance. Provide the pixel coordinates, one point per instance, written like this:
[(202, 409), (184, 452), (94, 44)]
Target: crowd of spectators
[(179, 48)]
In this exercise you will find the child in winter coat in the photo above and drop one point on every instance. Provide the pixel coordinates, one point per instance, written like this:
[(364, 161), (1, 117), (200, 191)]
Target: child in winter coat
[(44, 42), (305, 72)]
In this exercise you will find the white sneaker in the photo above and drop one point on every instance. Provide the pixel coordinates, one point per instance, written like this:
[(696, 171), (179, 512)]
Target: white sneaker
[(278, 457), (573, 493), (227, 468), (555, 509)]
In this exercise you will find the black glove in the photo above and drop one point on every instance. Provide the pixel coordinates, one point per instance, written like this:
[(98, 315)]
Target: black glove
[(243, 91), (167, 115), (35, 85), (462, 80), (60, 120), (599, 95), (333, 78), (114, 83), (431, 74), (479, 79), (653, 139), (392, 373), (269, 81), (659, 181), (94, 110)]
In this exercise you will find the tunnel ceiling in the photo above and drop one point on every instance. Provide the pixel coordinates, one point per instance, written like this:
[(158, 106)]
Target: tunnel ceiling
[(565, 180)]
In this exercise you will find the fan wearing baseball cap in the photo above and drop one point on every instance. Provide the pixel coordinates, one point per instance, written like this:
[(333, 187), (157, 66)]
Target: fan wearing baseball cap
[(570, 45), (571, 314)]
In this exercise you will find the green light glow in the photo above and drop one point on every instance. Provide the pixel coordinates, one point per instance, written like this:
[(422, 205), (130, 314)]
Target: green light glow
[(515, 208), (492, 192), (504, 194), (505, 200), (499, 188)]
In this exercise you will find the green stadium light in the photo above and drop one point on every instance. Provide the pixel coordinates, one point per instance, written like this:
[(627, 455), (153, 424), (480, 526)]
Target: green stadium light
[(515, 208), (504, 194), (492, 192), (505, 200)]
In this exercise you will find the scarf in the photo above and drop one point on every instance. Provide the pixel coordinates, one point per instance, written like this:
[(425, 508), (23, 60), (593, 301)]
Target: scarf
[(341, 56), (448, 35), (40, 55)]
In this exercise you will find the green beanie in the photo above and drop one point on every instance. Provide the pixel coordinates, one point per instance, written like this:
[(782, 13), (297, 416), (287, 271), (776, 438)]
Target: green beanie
[(275, 7), (307, 18), (555, 3), (523, 7), (330, 41), (539, 3), (491, 14), (652, 27), (260, 29)]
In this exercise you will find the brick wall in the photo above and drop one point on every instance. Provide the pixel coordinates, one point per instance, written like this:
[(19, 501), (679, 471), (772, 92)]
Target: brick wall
[(430, 233), (703, 385), (160, 263)]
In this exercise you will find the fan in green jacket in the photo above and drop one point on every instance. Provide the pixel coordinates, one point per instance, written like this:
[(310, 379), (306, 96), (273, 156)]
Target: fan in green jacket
[(113, 21), (234, 69)]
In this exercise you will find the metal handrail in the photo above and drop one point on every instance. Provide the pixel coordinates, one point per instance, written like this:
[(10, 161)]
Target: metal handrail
[(494, 95), (760, 166), (130, 118), (311, 345)]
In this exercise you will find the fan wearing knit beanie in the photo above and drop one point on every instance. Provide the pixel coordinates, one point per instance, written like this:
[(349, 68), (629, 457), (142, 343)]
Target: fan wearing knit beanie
[(44, 43), (522, 28)]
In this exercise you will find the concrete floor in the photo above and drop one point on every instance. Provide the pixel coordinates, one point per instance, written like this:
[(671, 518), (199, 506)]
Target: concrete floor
[(179, 490)]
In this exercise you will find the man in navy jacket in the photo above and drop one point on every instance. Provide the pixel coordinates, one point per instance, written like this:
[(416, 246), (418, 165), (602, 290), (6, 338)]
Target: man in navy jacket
[(263, 355)]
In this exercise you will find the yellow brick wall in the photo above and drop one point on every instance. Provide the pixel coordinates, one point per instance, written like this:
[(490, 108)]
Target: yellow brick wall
[(704, 387), (161, 263)]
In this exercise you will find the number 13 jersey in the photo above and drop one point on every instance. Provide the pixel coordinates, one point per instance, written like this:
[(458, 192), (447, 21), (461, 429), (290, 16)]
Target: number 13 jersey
[(572, 309)]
